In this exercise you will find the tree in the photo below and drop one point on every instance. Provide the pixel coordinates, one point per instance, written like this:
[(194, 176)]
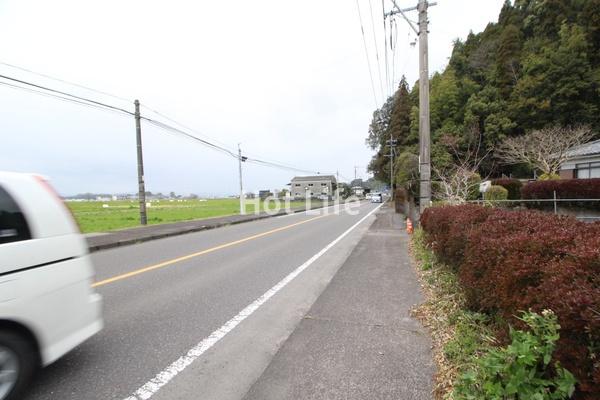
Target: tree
[(508, 59), (392, 121), (459, 181), (407, 173), (545, 149), (558, 84), (345, 190)]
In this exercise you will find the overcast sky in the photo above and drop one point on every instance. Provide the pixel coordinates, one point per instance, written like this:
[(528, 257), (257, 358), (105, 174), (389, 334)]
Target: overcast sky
[(287, 79)]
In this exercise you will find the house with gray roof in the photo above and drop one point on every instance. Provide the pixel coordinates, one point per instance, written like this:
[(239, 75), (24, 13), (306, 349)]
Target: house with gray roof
[(313, 186), (583, 163)]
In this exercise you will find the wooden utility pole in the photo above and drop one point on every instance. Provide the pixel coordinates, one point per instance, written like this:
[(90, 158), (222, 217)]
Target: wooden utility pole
[(392, 143), (242, 203), (140, 165), (424, 119)]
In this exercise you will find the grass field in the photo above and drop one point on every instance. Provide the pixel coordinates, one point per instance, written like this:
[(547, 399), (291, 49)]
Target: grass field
[(93, 217)]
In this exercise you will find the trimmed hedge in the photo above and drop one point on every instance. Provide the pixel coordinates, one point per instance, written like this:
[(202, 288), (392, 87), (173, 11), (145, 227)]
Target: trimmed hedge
[(512, 185), (496, 192), (510, 261), (565, 189)]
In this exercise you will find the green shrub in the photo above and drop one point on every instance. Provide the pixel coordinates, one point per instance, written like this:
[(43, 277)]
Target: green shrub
[(496, 193), (512, 185), (521, 370), (474, 182), (549, 177)]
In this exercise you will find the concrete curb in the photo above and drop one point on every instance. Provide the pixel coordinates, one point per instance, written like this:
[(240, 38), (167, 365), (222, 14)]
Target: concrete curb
[(104, 242)]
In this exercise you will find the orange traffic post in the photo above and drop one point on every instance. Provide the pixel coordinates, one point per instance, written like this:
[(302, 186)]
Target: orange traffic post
[(409, 226)]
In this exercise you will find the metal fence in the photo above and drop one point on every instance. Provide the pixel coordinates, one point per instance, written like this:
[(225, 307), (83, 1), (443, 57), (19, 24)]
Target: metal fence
[(582, 209)]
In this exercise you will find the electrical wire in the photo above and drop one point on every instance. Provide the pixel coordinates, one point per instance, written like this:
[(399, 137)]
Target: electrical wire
[(66, 99), (65, 94), (387, 68), (284, 167), (232, 154), (376, 52), (186, 127), (362, 30), (65, 81), (393, 45), (173, 129)]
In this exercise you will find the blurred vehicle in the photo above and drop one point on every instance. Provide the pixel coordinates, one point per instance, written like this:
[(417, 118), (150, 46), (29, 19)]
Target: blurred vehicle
[(368, 196), (47, 304), (376, 198), (323, 197)]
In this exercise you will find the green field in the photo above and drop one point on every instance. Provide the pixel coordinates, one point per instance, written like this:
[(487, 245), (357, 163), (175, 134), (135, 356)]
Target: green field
[(93, 217)]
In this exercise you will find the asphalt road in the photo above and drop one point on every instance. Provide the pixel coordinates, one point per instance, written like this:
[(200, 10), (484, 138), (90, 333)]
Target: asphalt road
[(164, 298)]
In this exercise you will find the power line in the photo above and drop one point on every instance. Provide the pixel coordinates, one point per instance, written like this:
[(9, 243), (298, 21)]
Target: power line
[(66, 94), (284, 167), (66, 99), (170, 128), (387, 69), (393, 45), (65, 81), (366, 53), (213, 146), (184, 126), (376, 52)]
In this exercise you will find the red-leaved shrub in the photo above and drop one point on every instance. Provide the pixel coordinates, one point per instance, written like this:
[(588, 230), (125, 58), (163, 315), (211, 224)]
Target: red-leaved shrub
[(565, 189), (509, 261), (447, 228)]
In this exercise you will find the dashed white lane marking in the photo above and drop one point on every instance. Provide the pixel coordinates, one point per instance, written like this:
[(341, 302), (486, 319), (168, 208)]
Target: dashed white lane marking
[(165, 376)]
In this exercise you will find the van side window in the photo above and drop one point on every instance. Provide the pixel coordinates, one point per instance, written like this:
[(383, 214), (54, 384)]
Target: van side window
[(13, 226)]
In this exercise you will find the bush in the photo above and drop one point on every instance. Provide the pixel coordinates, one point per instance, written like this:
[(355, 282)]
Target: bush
[(508, 261), (549, 177), (522, 370), (565, 189), (496, 193), (512, 185), (447, 228), (474, 183)]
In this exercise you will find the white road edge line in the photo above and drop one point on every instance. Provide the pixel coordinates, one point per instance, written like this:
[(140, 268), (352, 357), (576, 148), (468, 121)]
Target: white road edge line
[(165, 376)]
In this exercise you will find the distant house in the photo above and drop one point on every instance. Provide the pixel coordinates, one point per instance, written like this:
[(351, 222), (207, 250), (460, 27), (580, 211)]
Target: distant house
[(263, 194), (358, 190), (313, 186), (583, 163)]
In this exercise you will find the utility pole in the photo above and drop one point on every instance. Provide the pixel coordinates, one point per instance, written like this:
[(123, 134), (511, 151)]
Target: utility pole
[(392, 143), (240, 160), (337, 185), (140, 165), (424, 118), (424, 121), (355, 175)]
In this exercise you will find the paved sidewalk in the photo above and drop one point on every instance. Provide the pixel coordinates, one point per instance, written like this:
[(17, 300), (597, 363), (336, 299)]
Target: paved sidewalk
[(125, 237), (358, 340)]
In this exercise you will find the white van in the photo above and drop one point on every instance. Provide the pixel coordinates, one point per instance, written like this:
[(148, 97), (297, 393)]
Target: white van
[(47, 304)]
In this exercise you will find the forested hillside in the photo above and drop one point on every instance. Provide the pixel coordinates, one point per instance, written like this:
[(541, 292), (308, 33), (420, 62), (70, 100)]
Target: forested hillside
[(538, 66)]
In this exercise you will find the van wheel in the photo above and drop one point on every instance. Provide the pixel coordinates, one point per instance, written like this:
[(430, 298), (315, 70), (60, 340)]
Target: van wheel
[(17, 363)]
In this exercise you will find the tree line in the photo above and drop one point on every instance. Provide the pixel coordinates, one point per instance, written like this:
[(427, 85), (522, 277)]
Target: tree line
[(537, 68)]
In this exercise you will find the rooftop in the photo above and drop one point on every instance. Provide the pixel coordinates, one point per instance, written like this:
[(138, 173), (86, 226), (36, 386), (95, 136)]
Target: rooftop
[(314, 178), (586, 149)]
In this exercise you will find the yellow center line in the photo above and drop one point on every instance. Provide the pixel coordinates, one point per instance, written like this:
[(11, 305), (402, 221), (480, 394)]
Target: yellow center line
[(200, 253)]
